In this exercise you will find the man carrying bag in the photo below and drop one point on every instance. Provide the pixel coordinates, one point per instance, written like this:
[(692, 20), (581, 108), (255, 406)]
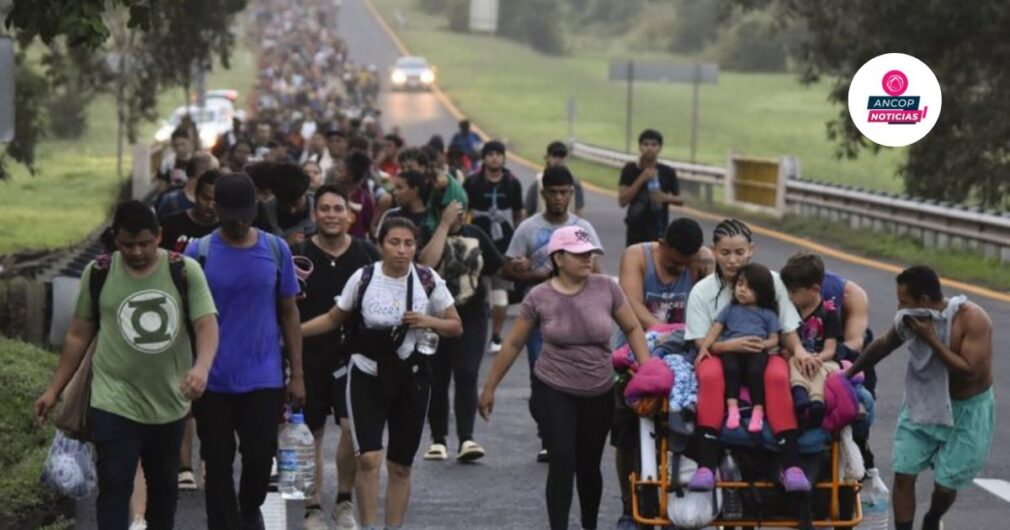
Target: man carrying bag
[(142, 371)]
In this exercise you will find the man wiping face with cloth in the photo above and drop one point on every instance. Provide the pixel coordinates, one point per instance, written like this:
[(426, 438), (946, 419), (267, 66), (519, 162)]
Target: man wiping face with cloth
[(946, 421)]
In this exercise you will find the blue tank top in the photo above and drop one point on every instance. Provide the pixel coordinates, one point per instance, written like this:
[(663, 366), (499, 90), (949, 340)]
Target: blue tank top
[(833, 290), (666, 301)]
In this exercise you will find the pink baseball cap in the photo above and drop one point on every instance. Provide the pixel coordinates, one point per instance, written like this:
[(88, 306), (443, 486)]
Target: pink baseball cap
[(572, 239)]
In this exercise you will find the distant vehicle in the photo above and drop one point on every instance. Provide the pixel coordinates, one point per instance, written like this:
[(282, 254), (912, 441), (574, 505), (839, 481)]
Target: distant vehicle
[(412, 73), (225, 93), (212, 121)]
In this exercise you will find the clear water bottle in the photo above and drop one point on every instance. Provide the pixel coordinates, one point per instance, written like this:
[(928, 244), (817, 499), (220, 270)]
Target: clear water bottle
[(876, 501), (653, 187), (296, 460)]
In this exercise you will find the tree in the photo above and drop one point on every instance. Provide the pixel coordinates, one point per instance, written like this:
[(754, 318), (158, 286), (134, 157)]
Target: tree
[(29, 120), (534, 22), (695, 26), (82, 22), (967, 154), (165, 43), (187, 35)]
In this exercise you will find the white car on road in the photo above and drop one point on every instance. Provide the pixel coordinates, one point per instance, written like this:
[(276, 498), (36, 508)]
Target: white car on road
[(412, 73), (213, 120)]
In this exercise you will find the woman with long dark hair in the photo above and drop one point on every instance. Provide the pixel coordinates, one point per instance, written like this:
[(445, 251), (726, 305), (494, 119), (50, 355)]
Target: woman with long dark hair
[(733, 247), (388, 380)]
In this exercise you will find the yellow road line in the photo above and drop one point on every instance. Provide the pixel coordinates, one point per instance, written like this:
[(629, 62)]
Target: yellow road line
[(793, 240)]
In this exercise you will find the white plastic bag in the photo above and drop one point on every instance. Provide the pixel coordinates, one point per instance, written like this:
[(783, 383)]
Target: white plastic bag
[(692, 509), (696, 509), (851, 459), (70, 467)]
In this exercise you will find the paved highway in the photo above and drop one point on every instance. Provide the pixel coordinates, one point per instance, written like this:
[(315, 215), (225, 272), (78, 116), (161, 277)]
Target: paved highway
[(505, 490)]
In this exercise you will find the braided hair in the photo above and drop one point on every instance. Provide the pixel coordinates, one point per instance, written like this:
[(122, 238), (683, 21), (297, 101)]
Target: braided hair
[(728, 228)]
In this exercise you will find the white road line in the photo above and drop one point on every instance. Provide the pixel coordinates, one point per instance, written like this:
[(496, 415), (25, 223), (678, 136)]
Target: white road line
[(275, 512), (997, 487)]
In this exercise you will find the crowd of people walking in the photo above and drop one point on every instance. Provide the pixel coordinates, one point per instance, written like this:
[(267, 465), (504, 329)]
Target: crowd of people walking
[(310, 259)]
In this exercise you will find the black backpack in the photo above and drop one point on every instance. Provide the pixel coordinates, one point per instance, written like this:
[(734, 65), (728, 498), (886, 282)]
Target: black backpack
[(355, 321)]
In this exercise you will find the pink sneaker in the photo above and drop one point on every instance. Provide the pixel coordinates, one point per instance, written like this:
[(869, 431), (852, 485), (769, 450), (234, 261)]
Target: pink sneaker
[(793, 479), (703, 480), (757, 418), (733, 418)]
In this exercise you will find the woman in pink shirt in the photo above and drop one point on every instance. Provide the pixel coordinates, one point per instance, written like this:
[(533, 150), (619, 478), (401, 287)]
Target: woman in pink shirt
[(573, 377)]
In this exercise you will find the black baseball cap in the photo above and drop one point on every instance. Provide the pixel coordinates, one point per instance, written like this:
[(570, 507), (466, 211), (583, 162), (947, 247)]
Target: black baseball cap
[(235, 196)]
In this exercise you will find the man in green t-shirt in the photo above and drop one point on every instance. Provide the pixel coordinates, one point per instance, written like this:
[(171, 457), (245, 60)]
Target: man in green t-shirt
[(143, 370)]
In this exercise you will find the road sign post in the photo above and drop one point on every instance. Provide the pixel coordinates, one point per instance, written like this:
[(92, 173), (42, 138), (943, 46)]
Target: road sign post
[(696, 74), (629, 111), (6, 89), (570, 111)]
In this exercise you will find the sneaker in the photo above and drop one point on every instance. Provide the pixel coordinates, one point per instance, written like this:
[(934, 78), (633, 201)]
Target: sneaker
[(138, 524), (793, 479), (470, 451), (495, 345), (703, 480), (542, 456), (343, 514), (187, 482), (626, 522), (437, 451), (314, 519)]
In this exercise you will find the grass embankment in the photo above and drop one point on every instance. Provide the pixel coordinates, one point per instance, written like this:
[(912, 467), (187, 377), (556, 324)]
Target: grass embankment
[(76, 180), (24, 373), (492, 79), (517, 93)]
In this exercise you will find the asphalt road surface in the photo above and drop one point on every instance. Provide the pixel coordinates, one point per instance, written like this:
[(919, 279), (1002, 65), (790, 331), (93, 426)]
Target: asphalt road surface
[(505, 489)]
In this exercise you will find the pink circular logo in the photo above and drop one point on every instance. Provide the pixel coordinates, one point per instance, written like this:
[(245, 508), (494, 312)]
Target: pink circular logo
[(895, 83)]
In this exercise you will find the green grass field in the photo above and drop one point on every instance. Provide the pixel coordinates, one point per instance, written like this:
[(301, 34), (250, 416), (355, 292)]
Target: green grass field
[(76, 181), (516, 93)]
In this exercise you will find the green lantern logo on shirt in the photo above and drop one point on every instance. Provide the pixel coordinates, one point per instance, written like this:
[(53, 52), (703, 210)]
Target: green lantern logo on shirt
[(149, 320)]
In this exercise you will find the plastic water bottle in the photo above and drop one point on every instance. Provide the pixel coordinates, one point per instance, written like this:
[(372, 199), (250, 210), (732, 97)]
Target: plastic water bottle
[(296, 460), (876, 501), (657, 206), (653, 187)]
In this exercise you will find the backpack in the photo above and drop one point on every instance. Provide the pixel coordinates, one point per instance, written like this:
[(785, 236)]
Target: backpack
[(273, 243), (73, 416), (355, 320)]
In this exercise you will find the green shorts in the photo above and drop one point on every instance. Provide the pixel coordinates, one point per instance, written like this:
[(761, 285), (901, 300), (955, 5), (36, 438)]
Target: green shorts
[(956, 453)]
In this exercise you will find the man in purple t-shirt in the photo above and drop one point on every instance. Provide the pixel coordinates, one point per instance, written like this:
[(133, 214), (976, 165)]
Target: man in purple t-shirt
[(252, 279)]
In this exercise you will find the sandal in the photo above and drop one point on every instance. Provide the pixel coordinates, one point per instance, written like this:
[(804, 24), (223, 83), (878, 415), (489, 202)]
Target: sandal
[(470, 451), (437, 451), (187, 482)]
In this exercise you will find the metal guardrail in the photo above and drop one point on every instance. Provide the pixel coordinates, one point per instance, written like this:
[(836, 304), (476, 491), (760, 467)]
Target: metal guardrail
[(937, 224)]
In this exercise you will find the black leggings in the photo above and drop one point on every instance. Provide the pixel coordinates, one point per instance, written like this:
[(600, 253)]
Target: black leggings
[(575, 432), (751, 366), (459, 359)]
